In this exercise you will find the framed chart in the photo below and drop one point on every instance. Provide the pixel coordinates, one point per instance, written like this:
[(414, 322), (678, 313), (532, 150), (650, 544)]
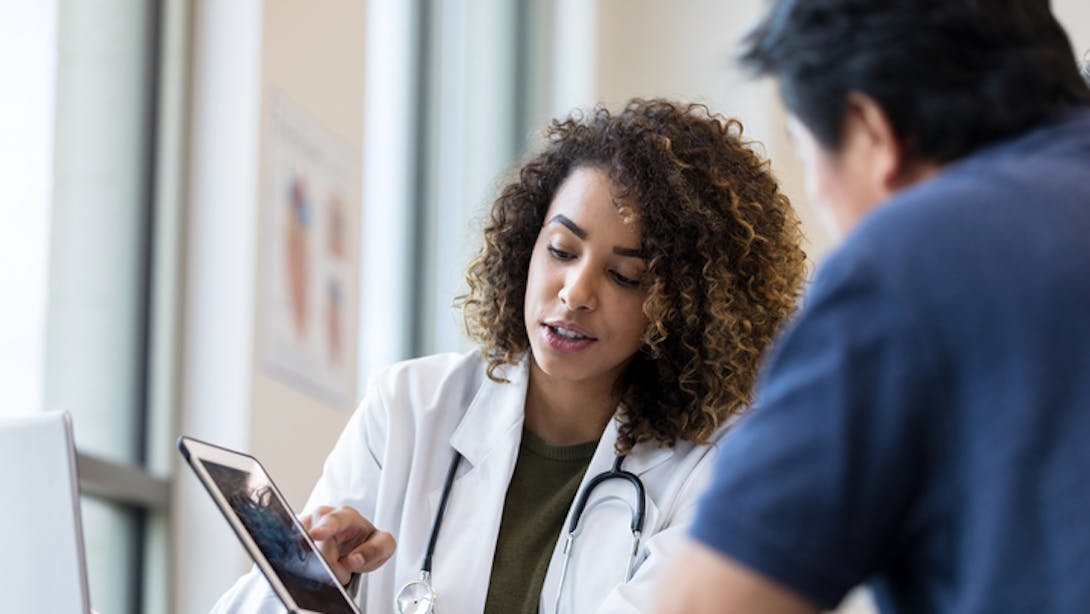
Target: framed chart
[(308, 287)]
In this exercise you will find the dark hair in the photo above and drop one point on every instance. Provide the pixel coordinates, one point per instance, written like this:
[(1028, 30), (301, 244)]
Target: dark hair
[(724, 266), (951, 75)]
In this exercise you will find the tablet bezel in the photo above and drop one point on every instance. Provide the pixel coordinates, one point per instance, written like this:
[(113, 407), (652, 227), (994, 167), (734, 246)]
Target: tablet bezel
[(194, 450)]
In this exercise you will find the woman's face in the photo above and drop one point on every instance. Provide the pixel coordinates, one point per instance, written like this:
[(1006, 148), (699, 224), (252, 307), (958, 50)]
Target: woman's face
[(584, 290)]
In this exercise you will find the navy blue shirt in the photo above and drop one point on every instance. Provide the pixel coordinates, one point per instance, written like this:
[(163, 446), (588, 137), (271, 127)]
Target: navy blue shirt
[(924, 424)]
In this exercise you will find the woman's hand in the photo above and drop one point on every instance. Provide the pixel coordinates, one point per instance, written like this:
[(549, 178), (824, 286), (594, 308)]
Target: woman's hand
[(348, 541)]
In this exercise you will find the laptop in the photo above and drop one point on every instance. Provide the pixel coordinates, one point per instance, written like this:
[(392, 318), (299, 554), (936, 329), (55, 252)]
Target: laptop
[(42, 564)]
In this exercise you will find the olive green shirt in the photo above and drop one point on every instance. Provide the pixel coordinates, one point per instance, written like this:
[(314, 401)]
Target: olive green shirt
[(542, 489)]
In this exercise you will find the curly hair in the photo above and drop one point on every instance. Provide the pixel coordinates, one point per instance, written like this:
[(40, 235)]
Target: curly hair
[(724, 264)]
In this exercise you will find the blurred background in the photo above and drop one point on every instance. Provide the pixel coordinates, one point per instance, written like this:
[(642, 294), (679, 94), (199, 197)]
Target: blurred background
[(223, 216)]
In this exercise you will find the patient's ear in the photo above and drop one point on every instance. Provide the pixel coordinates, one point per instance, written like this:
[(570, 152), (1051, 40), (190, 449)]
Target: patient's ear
[(891, 166), (875, 138)]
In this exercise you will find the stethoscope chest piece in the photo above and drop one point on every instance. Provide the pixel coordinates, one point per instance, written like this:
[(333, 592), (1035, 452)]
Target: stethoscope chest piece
[(416, 597)]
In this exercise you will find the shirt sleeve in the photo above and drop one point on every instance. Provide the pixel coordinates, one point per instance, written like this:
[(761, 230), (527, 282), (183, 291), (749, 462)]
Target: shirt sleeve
[(813, 483)]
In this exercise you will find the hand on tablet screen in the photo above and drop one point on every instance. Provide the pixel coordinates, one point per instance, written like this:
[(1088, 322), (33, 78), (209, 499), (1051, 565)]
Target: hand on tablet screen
[(348, 541)]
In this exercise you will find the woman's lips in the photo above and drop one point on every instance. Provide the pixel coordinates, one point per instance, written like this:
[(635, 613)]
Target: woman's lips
[(561, 343)]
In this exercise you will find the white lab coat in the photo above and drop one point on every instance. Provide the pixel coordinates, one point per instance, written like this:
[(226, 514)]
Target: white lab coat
[(390, 463)]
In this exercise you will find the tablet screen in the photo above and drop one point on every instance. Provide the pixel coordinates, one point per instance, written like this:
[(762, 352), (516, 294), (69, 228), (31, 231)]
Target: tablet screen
[(272, 527)]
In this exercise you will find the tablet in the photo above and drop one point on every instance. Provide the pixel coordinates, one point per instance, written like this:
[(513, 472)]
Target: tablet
[(267, 528)]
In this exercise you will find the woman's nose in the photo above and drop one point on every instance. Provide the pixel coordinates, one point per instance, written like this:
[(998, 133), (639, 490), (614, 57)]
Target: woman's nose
[(578, 292)]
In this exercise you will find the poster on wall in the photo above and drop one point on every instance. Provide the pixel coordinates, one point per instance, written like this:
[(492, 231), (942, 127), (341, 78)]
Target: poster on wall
[(307, 285)]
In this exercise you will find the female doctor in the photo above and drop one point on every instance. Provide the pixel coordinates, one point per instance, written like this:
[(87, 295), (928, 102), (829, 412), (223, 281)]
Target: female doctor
[(631, 276)]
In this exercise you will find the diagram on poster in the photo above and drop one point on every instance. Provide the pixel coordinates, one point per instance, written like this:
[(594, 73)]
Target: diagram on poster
[(305, 266)]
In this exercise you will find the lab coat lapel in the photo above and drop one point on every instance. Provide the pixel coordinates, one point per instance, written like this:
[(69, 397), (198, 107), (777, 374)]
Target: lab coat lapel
[(488, 439), (594, 571), (643, 458)]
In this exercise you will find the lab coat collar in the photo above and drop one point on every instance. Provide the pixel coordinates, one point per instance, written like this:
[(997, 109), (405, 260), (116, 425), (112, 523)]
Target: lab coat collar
[(500, 407), (496, 409), (643, 457)]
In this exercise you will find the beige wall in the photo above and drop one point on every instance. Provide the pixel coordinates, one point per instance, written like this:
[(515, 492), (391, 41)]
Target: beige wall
[(312, 54), (685, 50), (244, 51), (1074, 15)]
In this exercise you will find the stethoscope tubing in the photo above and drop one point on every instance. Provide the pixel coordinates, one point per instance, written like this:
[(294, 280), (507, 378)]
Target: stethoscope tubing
[(426, 567), (615, 473)]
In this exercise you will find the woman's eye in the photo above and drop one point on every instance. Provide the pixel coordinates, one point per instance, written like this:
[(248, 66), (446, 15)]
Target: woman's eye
[(627, 282), (560, 254)]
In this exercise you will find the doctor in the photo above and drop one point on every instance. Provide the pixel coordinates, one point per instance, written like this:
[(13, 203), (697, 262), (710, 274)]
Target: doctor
[(631, 276)]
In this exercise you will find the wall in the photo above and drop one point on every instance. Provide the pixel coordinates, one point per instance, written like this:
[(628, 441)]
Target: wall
[(1074, 15), (313, 55), (686, 51)]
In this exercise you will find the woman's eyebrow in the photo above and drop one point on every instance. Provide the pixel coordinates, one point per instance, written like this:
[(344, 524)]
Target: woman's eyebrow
[(564, 220), (628, 251)]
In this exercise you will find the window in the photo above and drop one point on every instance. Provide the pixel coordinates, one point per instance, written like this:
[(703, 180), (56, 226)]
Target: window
[(89, 269)]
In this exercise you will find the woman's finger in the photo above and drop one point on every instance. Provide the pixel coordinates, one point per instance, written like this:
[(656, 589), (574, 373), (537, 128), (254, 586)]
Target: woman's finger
[(344, 525), (372, 553)]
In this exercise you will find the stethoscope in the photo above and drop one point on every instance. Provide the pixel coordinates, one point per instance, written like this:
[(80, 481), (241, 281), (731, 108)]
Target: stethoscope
[(418, 596)]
